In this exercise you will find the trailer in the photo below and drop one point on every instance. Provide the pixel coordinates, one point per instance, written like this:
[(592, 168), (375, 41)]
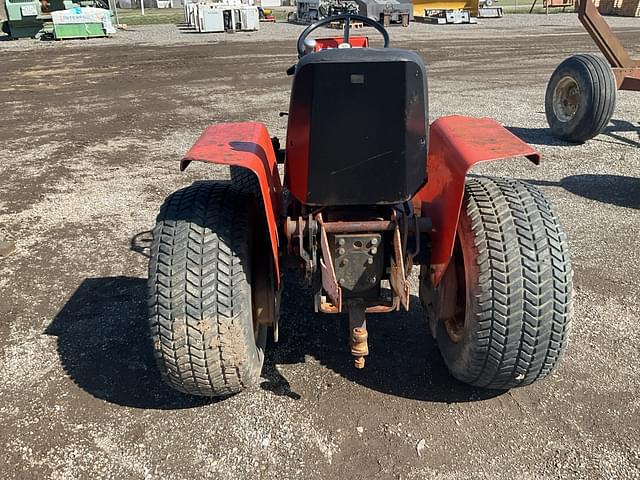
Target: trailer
[(581, 93)]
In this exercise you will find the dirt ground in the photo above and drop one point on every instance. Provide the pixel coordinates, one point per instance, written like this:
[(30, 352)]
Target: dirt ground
[(90, 137)]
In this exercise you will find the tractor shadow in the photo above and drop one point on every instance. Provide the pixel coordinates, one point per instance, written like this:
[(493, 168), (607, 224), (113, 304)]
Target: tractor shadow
[(538, 136), (615, 190), (611, 134), (104, 345), (403, 359)]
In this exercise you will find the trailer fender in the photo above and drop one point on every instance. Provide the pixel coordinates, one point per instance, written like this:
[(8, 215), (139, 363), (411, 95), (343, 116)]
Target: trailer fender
[(246, 145), (456, 144)]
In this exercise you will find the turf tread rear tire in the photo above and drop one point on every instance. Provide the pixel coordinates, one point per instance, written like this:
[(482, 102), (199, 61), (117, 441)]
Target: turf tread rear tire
[(245, 181), (200, 294), (598, 97), (519, 285)]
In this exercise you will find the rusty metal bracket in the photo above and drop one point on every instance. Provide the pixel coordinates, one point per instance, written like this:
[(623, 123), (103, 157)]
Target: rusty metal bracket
[(295, 231), (326, 307), (625, 69), (627, 78), (359, 227), (384, 308), (329, 281), (416, 231), (398, 278), (301, 250)]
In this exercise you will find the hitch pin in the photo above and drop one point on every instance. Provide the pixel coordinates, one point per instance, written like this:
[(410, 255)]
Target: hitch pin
[(358, 334)]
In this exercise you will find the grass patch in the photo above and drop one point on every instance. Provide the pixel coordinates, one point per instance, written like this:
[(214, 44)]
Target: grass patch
[(152, 16)]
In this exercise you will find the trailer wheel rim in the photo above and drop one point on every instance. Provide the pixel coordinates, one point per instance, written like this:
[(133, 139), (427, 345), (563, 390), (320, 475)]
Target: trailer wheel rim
[(566, 99)]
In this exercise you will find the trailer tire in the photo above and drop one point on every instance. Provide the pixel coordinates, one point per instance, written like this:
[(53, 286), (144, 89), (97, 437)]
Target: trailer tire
[(205, 339), (501, 313), (580, 98)]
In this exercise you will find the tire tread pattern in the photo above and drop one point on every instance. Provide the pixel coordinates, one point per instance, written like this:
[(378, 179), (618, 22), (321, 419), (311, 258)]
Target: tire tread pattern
[(522, 293), (245, 181), (602, 92), (199, 291)]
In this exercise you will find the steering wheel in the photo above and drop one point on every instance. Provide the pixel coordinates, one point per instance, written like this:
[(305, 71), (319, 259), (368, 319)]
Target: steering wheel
[(347, 18)]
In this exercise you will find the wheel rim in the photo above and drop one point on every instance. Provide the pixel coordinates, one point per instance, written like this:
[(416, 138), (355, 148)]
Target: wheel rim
[(256, 329), (263, 295), (455, 323), (566, 99), (454, 327)]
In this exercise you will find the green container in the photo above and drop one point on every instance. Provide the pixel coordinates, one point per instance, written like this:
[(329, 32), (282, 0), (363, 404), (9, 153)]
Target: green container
[(25, 18), (78, 30)]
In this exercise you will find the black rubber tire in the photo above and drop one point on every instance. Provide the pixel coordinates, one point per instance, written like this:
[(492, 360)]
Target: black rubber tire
[(5, 27), (201, 314), (517, 297), (245, 181), (597, 98)]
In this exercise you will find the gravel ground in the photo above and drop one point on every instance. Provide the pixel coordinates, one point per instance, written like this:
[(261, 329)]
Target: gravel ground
[(91, 135)]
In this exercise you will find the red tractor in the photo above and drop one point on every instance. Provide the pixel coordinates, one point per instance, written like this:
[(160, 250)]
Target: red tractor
[(370, 192)]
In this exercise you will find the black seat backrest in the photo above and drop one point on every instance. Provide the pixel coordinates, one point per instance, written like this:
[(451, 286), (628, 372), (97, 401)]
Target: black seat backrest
[(357, 132)]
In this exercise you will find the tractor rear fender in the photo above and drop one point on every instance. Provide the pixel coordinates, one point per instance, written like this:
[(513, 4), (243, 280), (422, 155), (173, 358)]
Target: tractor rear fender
[(456, 144), (246, 145)]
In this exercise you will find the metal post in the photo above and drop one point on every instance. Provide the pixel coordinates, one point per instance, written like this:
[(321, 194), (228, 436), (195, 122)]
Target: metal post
[(142, 6), (113, 7)]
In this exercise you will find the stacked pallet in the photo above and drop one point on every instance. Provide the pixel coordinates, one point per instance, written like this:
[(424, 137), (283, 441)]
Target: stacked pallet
[(624, 8)]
